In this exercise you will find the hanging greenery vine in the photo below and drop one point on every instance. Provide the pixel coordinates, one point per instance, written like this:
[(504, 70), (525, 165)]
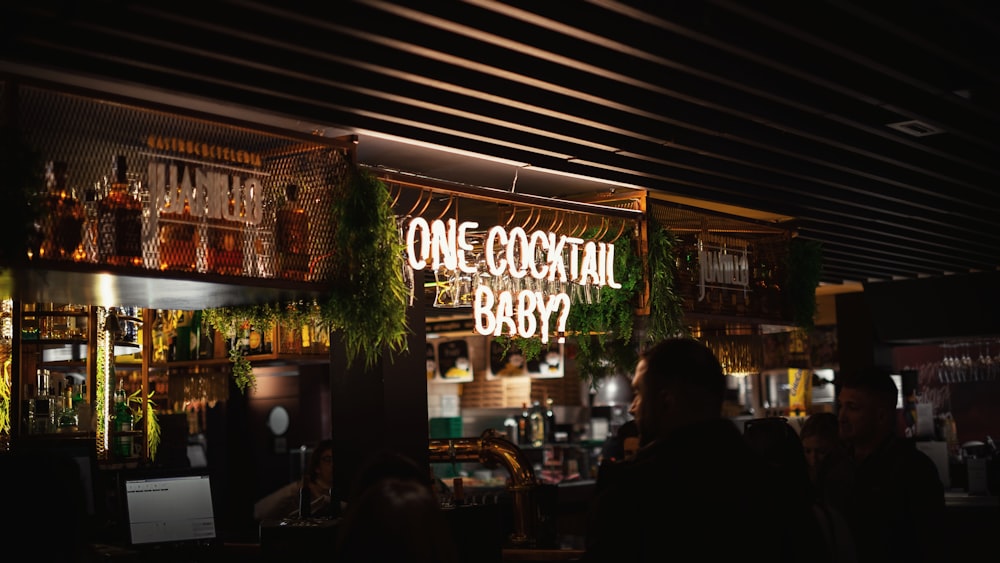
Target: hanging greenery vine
[(153, 426), (368, 303), (604, 327), (531, 348), (805, 262), (5, 394), (666, 306), (234, 321)]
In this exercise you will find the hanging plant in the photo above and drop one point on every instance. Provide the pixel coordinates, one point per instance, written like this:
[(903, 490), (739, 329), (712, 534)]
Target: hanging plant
[(232, 321), (153, 426), (805, 262), (368, 303), (666, 307), (531, 348), (604, 326), (5, 400)]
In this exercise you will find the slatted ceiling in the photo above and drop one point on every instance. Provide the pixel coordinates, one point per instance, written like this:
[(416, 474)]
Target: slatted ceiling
[(783, 109)]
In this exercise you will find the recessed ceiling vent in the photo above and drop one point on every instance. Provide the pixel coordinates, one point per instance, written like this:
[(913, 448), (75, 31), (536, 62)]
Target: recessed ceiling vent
[(916, 128)]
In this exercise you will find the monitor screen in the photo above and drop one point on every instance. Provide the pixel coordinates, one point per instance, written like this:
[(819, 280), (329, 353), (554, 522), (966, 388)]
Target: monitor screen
[(174, 509)]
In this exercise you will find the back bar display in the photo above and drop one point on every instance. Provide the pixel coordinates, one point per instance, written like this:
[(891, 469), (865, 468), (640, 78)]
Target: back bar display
[(144, 190)]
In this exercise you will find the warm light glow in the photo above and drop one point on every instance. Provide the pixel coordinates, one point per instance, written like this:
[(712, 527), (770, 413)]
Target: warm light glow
[(106, 293), (514, 254), (529, 314), (103, 387)]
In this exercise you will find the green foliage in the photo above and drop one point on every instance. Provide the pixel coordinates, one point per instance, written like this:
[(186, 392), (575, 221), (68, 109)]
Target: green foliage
[(153, 426), (4, 404), (531, 348), (242, 370), (666, 307), (368, 303), (604, 327), (805, 261), (231, 321)]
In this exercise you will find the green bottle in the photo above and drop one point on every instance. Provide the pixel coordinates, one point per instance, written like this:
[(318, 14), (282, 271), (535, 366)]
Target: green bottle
[(123, 422)]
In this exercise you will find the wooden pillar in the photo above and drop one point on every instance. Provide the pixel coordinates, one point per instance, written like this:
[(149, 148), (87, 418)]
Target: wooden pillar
[(381, 408)]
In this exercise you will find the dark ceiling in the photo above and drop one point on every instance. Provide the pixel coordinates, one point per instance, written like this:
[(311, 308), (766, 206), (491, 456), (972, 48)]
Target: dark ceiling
[(782, 107)]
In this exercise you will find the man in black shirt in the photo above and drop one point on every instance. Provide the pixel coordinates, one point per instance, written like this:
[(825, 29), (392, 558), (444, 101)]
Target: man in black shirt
[(889, 491), (694, 489)]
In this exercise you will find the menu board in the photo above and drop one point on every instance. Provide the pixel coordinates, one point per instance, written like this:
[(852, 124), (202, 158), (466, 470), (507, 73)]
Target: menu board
[(511, 362), (454, 360)]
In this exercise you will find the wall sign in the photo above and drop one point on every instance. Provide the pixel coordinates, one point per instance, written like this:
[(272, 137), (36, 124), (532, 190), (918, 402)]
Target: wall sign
[(722, 267), (514, 280)]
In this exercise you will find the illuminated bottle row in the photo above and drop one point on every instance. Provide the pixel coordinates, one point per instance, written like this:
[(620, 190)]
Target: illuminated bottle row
[(178, 219)]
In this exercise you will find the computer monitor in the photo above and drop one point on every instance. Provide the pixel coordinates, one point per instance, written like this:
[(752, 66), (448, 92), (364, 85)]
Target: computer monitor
[(169, 510)]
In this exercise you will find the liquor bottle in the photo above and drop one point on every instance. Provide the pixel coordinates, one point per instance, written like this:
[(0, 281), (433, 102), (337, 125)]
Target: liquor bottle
[(255, 342), (292, 234), (119, 221), (225, 240), (65, 215), (81, 404), (524, 426), (182, 337), (305, 501), (178, 235), (122, 422), (68, 421), (458, 491), (550, 421), (537, 416), (90, 250), (159, 336)]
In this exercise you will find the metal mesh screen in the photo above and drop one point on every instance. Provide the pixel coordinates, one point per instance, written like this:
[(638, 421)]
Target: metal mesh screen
[(151, 190), (713, 242)]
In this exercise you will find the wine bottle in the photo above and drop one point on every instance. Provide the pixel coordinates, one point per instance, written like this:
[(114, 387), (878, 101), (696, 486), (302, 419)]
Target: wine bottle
[(524, 426), (122, 422), (305, 501), (550, 421)]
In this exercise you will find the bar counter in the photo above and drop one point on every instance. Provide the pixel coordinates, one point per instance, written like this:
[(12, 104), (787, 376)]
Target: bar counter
[(542, 554)]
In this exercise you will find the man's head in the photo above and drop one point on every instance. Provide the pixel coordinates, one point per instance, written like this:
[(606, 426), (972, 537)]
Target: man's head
[(677, 382), (867, 408)]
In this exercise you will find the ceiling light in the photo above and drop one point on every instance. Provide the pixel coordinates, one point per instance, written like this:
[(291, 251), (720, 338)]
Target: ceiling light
[(915, 128)]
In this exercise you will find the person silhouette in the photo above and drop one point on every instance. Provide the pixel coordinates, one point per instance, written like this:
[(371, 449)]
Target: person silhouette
[(889, 492), (393, 514), (693, 471), (822, 446), (817, 529)]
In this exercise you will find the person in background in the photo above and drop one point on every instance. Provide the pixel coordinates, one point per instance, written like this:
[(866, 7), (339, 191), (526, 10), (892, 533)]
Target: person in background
[(694, 486), (820, 532), (821, 445), (318, 478), (623, 444), (888, 490), (394, 514)]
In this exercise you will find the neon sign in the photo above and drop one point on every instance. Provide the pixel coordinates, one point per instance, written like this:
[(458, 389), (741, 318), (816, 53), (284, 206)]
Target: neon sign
[(517, 254)]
